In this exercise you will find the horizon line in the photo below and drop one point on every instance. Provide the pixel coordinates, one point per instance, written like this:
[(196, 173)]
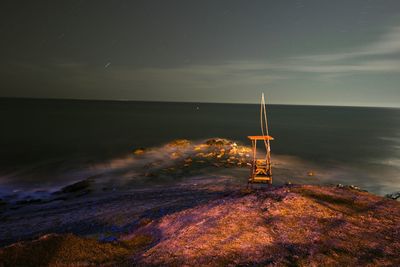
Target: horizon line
[(193, 102)]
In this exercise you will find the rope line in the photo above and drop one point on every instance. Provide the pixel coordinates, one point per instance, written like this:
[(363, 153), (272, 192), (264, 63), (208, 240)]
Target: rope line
[(264, 124)]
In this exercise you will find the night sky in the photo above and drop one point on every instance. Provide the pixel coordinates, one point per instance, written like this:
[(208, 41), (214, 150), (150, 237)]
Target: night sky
[(297, 52)]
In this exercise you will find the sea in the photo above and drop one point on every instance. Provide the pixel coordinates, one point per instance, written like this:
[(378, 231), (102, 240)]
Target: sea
[(46, 144)]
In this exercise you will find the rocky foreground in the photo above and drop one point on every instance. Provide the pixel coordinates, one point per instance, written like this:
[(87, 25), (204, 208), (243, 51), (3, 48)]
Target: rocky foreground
[(279, 226)]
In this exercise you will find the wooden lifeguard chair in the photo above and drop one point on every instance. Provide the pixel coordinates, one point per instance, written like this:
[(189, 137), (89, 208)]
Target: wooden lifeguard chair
[(261, 168)]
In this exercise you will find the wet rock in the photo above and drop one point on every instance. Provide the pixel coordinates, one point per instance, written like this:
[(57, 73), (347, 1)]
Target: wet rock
[(209, 155), (394, 195), (179, 143), (218, 142), (355, 188), (76, 187), (139, 151), (200, 147), (200, 155), (221, 154), (352, 187), (175, 155), (215, 152)]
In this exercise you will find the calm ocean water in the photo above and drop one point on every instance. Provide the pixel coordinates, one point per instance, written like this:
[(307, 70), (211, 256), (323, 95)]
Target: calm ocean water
[(41, 141)]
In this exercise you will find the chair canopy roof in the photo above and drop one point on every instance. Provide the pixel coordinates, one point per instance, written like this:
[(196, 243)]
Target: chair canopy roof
[(260, 137)]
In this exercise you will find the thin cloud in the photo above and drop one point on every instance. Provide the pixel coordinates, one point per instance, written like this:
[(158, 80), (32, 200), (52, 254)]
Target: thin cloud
[(369, 59), (378, 66), (388, 44)]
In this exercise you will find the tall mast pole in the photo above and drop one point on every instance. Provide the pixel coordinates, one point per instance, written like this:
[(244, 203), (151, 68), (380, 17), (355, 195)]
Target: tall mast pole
[(264, 122)]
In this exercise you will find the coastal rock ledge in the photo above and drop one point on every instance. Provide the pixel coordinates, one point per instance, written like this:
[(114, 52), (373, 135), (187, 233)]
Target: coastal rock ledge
[(280, 226)]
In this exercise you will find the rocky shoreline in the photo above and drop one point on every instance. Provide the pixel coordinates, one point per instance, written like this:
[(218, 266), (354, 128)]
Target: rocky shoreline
[(175, 161), (290, 225), (192, 211)]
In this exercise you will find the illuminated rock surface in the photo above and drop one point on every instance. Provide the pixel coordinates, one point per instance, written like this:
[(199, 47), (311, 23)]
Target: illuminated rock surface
[(290, 225)]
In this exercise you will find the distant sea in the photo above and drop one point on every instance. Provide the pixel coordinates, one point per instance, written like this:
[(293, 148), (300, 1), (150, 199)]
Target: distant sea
[(45, 143)]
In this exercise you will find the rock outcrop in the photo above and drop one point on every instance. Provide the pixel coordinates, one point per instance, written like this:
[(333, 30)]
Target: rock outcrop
[(283, 226)]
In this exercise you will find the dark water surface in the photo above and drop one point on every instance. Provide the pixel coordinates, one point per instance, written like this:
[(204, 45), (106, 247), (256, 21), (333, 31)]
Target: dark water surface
[(44, 142)]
